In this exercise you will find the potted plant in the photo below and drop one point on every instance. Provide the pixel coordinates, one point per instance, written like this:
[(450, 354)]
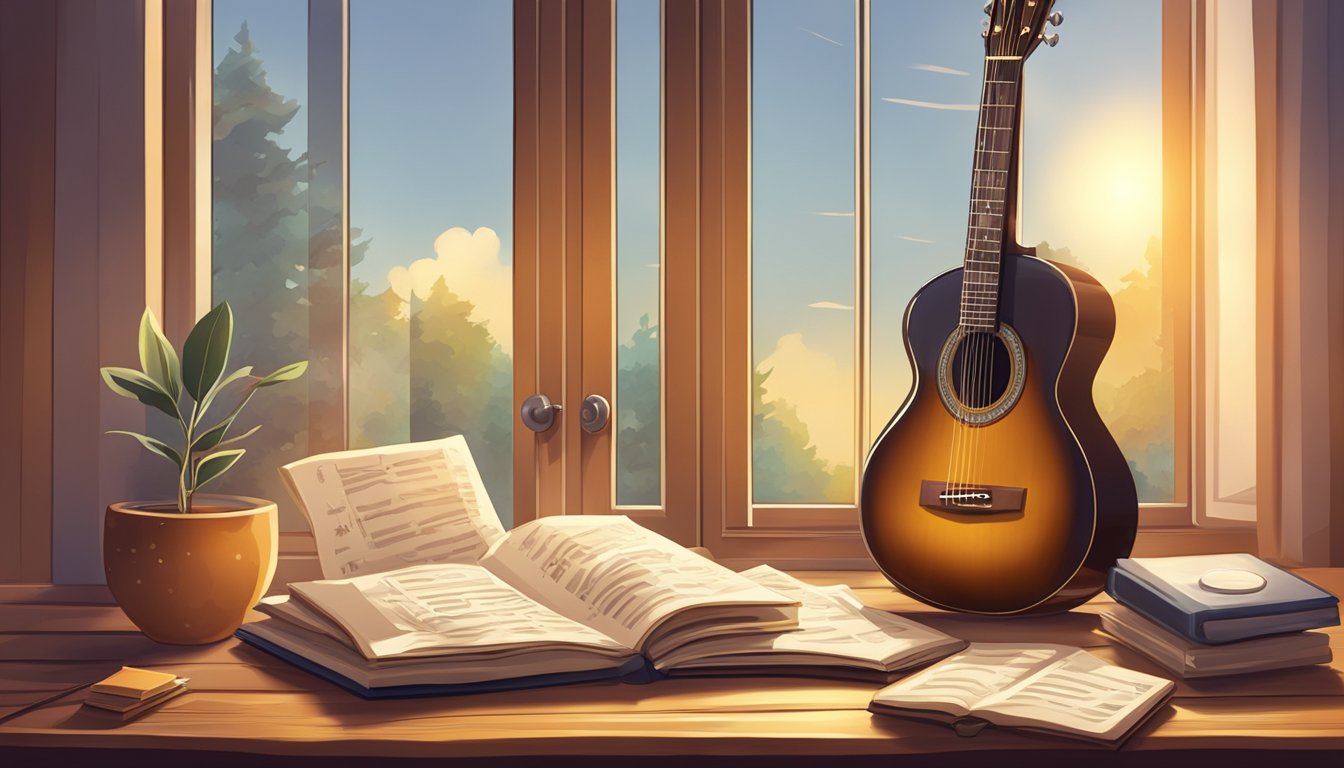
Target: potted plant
[(186, 572)]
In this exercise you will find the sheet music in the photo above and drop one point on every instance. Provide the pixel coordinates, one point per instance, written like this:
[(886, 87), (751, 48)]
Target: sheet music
[(830, 623), (613, 574), (966, 679), (1080, 692), (381, 509), (436, 608)]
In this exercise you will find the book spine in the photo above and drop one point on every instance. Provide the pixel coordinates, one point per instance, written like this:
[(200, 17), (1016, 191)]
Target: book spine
[(1133, 594)]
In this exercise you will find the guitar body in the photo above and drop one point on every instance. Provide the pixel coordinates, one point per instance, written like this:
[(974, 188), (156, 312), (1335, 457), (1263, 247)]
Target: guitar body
[(1070, 508)]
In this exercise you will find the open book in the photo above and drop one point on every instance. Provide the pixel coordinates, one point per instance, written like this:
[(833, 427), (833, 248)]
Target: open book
[(837, 636), (1052, 688), (424, 592), (555, 600)]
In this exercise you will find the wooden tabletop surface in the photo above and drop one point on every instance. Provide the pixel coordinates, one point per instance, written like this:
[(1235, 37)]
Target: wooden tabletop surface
[(242, 700)]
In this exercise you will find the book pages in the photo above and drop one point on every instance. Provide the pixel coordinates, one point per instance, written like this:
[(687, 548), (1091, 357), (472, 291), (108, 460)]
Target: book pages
[(381, 509), (834, 628), (442, 609), (960, 683), (1080, 694), (614, 575)]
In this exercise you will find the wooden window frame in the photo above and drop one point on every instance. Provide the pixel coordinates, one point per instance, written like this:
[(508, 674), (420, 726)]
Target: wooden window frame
[(564, 183)]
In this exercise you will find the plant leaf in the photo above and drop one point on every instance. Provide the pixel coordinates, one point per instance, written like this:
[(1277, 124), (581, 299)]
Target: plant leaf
[(284, 373), (157, 358), (131, 383), (212, 436), (210, 396), (216, 464), (243, 436), (206, 351), (155, 446)]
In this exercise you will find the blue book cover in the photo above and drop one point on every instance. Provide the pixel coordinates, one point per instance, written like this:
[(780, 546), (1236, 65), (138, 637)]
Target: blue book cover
[(1221, 598), (635, 670)]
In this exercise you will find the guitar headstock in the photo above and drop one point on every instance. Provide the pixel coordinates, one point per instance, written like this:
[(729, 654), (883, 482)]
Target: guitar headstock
[(1016, 27)]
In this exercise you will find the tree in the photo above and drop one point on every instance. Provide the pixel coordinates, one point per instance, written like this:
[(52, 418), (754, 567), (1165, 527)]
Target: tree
[(639, 419), (260, 229), (785, 466), (461, 382)]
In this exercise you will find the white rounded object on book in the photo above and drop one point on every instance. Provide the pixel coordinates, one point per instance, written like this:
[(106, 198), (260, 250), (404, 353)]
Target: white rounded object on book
[(1229, 581)]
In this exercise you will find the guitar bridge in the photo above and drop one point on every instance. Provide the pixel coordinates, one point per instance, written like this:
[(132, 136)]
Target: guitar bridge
[(957, 497)]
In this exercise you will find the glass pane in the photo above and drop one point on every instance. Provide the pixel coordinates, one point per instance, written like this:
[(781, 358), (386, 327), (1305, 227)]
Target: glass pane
[(431, 211), (1092, 194), (260, 229), (925, 87), (638, 252), (803, 251), (1092, 197)]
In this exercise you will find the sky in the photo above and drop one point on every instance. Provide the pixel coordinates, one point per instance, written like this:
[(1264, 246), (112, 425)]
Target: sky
[(431, 150)]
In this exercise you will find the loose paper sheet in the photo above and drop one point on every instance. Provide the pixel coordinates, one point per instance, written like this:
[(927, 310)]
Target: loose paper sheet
[(380, 509)]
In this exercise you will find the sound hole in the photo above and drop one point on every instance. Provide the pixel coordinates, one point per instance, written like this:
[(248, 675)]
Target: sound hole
[(982, 369)]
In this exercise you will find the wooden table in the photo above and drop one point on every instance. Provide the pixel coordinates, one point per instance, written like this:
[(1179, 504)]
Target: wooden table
[(248, 708)]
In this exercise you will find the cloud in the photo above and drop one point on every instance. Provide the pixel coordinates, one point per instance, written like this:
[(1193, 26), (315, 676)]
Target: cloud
[(931, 104), (815, 384), (914, 239), (835, 214), (938, 69), (470, 266), (820, 36), (828, 305)]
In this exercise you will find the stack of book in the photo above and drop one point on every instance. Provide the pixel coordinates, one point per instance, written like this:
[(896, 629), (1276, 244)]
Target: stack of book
[(130, 691), (1206, 615)]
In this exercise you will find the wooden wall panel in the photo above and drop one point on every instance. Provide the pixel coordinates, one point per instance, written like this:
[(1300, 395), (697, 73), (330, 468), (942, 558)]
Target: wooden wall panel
[(99, 263), (27, 160)]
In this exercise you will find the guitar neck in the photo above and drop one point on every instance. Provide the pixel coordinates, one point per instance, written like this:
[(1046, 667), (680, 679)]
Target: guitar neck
[(993, 207)]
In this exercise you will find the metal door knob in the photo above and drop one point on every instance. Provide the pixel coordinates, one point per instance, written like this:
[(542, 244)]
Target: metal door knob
[(538, 412), (595, 414)]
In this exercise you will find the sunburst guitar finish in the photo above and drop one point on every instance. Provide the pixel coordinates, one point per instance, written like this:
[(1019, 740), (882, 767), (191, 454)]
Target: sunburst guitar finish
[(1078, 510), (996, 488)]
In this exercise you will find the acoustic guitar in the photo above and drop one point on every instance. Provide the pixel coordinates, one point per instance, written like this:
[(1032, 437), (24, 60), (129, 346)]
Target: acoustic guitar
[(996, 488)]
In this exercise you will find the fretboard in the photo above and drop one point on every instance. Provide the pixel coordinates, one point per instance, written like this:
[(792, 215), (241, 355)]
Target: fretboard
[(987, 225)]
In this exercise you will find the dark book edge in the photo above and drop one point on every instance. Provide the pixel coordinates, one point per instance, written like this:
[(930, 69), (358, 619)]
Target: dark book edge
[(634, 670)]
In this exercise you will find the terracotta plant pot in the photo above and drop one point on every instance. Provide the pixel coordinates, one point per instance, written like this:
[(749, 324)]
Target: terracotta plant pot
[(190, 579)]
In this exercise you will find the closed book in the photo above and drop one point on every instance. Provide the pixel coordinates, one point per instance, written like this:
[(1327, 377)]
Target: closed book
[(135, 683), (127, 708), (1177, 593), (1194, 660)]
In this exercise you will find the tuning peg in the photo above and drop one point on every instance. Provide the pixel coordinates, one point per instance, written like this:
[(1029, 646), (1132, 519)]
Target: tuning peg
[(1051, 39), (1055, 18), (989, 7), (984, 28)]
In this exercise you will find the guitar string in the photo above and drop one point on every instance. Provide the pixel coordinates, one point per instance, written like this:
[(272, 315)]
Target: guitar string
[(972, 347), (988, 342), (958, 450), (985, 341)]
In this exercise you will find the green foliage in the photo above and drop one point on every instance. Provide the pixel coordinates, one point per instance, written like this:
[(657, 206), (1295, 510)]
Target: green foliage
[(160, 384), (638, 419), (461, 382), (785, 466)]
